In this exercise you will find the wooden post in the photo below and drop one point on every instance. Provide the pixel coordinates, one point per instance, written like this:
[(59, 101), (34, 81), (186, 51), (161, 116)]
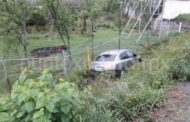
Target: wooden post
[(88, 58)]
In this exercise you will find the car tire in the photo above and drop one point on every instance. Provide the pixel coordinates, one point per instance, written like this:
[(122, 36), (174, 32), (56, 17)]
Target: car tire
[(93, 75), (118, 73), (140, 60)]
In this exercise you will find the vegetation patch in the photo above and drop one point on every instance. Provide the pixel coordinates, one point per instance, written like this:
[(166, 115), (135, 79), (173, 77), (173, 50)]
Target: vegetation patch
[(163, 64), (130, 98)]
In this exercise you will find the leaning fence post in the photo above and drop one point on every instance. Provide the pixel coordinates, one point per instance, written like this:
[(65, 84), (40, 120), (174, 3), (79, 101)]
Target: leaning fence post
[(64, 63)]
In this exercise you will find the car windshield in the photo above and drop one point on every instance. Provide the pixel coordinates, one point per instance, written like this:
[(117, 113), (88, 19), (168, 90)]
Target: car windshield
[(106, 57)]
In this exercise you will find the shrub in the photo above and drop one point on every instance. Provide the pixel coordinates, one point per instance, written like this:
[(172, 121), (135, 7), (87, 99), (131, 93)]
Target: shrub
[(42, 100)]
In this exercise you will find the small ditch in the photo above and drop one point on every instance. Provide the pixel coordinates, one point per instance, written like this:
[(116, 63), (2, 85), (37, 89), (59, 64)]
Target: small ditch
[(47, 51)]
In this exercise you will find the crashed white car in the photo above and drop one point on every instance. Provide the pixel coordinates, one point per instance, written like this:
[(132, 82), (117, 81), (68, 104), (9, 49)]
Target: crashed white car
[(114, 62)]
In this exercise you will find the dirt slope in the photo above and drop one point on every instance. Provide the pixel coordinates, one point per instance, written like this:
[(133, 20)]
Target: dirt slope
[(177, 107)]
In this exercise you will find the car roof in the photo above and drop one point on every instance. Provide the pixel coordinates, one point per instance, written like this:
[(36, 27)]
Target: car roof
[(114, 52)]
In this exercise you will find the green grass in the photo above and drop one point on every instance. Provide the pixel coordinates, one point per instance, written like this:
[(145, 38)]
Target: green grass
[(185, 17), (38, 40), (147, 83), (144, 88)]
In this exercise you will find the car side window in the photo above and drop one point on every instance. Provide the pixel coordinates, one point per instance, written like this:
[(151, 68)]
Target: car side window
[(123, 56), (131, 54)]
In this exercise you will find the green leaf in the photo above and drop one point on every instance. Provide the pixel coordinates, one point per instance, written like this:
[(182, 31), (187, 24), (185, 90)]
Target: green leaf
[(66, 108), (4, 117), (38, 113), (40, 102), (50, 107), (22, 97), (14, 112), (42, 119), (23, 76), (51, 102), (29, 106), (20, 114)]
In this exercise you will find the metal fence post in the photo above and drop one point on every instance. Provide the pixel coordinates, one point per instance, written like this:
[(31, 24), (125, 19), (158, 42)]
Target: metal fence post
[(64, 63), (8, 84), (5, 70), (180, 26)]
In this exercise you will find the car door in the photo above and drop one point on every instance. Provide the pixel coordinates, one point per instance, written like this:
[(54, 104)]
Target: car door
[(132, 58), (126, 60)]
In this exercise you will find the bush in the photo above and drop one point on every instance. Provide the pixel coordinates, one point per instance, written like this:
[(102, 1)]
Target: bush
[(42, 100), (181, 66)]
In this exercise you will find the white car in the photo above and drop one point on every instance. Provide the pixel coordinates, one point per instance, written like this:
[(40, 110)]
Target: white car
[(114, 62)]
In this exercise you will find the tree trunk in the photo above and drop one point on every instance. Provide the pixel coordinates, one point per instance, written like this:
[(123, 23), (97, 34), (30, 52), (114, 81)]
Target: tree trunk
[(51, 26), (68, 45), (85, 24), (24, 43)]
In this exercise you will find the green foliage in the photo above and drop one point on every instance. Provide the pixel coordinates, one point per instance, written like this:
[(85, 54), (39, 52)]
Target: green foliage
[(14, 23), (131, 106), (185, 17), (42, 100), (38, 17), (162, 65), (180, 65), (63, 19), (112, 6)]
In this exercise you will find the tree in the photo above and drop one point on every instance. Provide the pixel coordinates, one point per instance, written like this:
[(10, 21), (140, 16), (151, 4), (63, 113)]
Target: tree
[(93, 9), (17, 13), (38, 17), (62, 19), (51, 25), (115, 7)]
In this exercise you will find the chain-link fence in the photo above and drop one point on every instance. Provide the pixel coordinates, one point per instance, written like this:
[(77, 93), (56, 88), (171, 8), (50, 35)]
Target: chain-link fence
[(61, 63)]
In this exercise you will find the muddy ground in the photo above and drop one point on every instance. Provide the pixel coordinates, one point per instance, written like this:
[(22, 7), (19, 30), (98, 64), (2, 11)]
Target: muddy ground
[(177, 106)]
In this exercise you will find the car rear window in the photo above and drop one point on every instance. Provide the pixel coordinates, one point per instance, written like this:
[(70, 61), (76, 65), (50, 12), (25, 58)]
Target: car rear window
[(106, 57)]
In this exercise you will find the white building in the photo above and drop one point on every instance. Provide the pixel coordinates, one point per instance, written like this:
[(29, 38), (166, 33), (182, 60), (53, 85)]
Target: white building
[(174, 8)]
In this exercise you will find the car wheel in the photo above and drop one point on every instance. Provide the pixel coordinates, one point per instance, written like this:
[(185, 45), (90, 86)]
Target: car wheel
[(93, 75), (118, 73), (140, 60)]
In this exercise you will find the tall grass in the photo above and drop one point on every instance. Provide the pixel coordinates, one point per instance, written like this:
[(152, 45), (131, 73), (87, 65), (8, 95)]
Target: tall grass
[(147, 83)]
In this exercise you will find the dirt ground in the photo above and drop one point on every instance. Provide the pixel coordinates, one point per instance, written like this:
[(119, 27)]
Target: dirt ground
[(177, 107)]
